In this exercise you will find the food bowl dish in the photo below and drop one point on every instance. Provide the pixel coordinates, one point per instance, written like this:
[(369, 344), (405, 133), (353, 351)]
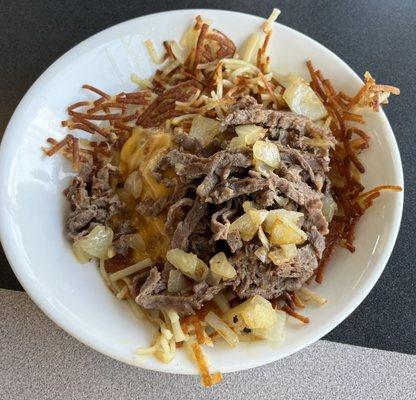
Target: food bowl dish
[(74, 296)]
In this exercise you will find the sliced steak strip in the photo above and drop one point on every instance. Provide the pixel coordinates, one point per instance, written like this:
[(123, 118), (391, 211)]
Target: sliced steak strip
[(175, 214), (190, 167), (235, 187), (249, 112), (234, 241), (186, 142), (92, 201), (186, 227), (269, 281), (299, 191), (184, 304), (153, 284), (220, 228)]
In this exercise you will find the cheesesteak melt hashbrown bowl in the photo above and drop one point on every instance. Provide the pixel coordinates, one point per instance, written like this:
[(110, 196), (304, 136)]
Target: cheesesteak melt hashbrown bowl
[(206, 194)]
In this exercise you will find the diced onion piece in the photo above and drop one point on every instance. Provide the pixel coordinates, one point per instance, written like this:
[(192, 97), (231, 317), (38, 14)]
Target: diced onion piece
[(204, 129), (222, 303), (237, 143), (282, 226), (301, 99), (248, 224), (262, 315), (266, 152), (176, 281), (257, 217), (289, 250), (275, 333), (134, 184), (262, 253), (250, 133), (249, 205), (281, 215), (283, 255), (222, 328), (136, 242), (263, 238), (285, 80), (96, 243), (179, 52), (285, 233), (234, 63), (317, 142), (201, 270), (244, 225), (281, 201), (81, 256), (130, 270), (262, 167), (184, 262), (213, 279), (221, 266), (256, 312), (329, 207), (307, 294)]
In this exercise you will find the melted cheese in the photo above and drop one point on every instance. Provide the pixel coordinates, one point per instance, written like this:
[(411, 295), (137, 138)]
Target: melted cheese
[(141, 152)]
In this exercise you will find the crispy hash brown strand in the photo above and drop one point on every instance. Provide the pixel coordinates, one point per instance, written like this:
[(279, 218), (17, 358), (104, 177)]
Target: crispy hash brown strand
[(346, 168)]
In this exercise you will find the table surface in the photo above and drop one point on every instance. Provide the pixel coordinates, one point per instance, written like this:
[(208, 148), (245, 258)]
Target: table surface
[(375, 35)]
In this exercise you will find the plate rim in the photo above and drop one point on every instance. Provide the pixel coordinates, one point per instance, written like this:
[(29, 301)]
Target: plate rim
[(16, 261)]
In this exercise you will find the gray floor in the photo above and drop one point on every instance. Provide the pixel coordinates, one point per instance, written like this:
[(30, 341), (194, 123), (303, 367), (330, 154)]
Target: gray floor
[(40, 361)]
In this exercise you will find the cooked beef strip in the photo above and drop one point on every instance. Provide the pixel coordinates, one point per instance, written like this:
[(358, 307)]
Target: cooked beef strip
[(254, 277), (202, 244), (190, 167), (175, 213), (234, 241), (220, 229), (186, 303), (265, 198), (121, 245), (92, 202), (151, 207), (186, 142), (235, 187), (122, 231), (317, 240), (180, 238), (299, 191), (249, 112), (153, 284)]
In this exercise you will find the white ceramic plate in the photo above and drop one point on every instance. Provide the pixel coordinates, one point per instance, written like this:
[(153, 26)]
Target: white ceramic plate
[(33, 207)]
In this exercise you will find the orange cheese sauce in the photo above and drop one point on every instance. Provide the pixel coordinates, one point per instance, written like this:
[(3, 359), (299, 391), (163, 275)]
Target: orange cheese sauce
[(141, 152)]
